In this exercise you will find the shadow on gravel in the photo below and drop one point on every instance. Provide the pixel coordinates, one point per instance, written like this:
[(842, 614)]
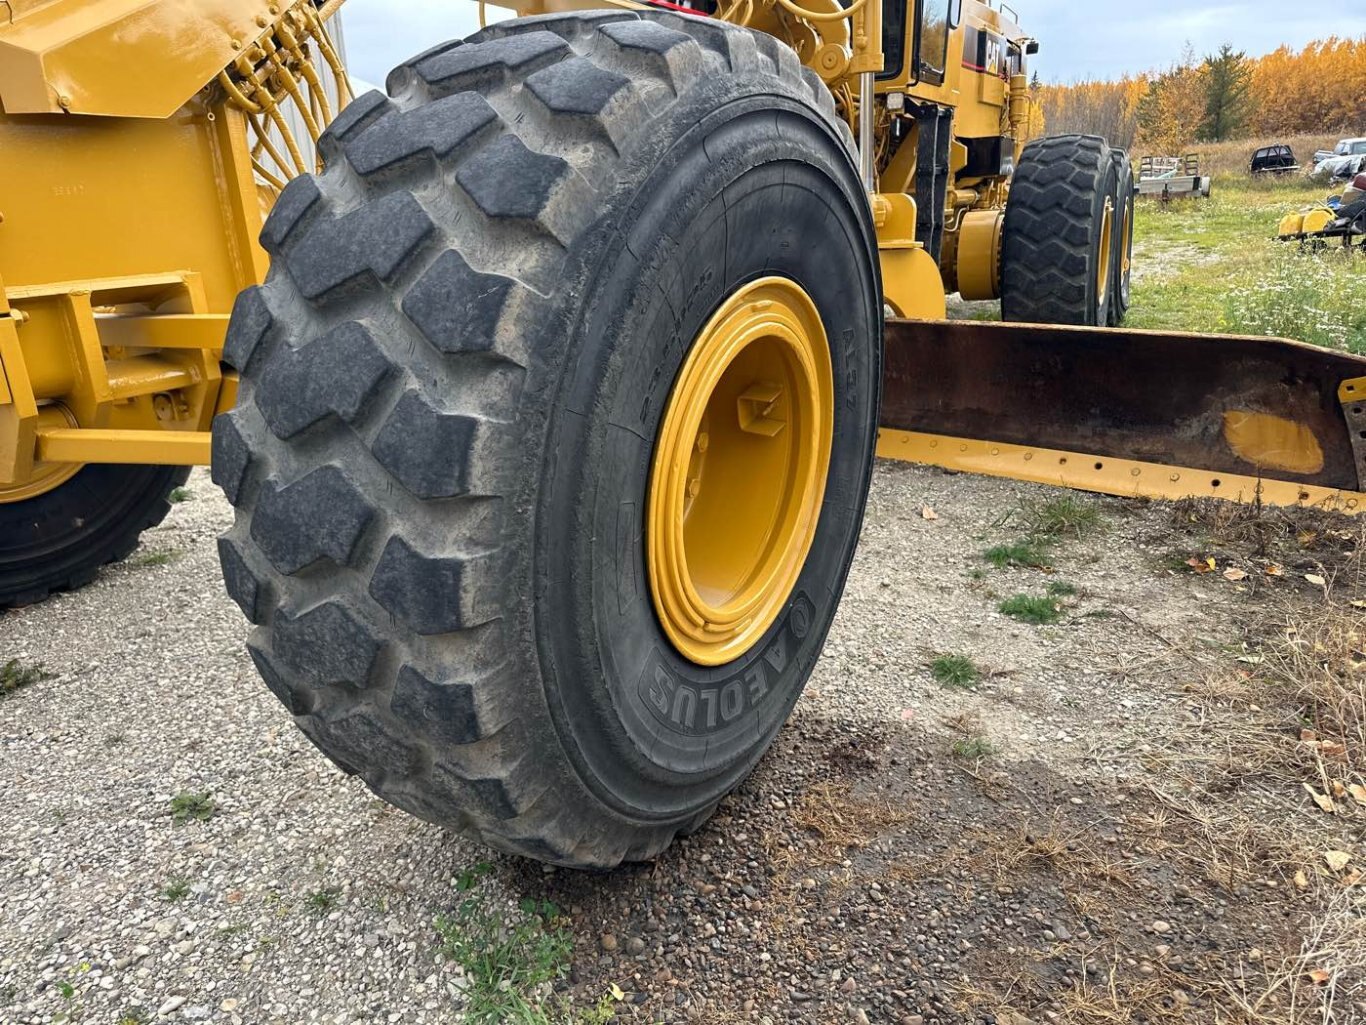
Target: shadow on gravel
[(874, 876)]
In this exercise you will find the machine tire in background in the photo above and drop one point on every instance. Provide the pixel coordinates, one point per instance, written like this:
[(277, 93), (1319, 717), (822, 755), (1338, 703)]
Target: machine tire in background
[(58, 540), (1121, 289), (453, 384), (1057, 246)]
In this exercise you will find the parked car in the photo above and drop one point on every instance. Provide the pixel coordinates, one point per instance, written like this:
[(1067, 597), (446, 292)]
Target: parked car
[(1274, 160), (1342, 163)]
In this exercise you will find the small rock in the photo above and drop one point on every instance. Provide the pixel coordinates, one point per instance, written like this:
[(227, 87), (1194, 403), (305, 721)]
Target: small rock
[(635, 945), (608, 941), (171, 1004), (1160, 927)]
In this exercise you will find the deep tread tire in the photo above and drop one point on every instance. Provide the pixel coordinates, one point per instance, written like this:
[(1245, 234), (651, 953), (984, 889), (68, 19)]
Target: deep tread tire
[(1121, 287), (1050, 246), (57, 541), (451, 383)]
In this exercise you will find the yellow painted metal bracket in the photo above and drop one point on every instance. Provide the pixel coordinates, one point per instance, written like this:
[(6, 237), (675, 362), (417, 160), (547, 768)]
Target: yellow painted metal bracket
[(1124, 477), (93, 445)]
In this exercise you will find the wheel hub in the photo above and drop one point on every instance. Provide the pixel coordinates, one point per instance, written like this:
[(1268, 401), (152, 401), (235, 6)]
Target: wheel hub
[(45, 476), (738, 478)]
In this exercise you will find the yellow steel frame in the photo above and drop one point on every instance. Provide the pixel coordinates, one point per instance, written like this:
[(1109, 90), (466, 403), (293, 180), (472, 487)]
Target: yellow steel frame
[(126, 233)]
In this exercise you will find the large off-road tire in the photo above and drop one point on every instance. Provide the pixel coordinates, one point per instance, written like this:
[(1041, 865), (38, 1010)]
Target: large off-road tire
[(1121, 266), (59, 539), (1057, 243), (452, 386)]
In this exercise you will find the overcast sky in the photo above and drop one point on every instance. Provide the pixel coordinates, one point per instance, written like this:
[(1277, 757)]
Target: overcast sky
[(1079, 40)]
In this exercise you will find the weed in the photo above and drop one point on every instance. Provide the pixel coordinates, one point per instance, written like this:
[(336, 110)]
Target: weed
[(955, 671), (1061, 589), (134, 1016), (115, 740), (1064, 516), (190, 806), (1029, 554), (973, 749), (16, 676), (157, 558), (177, 889), (179, 495), (1032, 610), (322, 901), (509, 958), (468, 878)]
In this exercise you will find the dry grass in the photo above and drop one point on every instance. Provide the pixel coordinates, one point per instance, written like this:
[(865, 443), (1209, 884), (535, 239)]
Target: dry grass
[(1233, 157), (838, 821)]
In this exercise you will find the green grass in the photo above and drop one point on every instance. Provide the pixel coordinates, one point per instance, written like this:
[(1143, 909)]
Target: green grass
[(1214, 266), (191, 806), (177, 889), (973, 748), (16, 676), (1060, 589), (134, 1016), (179, 495), (322, 901), (507, 957), (1066, 516), (157, 558), (1030, 554), (1029, 609), (955, 671)]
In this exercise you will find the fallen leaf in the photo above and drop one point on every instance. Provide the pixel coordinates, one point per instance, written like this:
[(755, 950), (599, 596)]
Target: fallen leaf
[(1358, 792), (1301, 880), (1337, 860), (1274, 571), (617, 992), (1307, 537), (1307, 735), (1338, 752), (1233, 573), (1201, 565), (1316, 580), (1353, 877), (928, 514), (1324, 802), (1320, 976), (1359, 604)]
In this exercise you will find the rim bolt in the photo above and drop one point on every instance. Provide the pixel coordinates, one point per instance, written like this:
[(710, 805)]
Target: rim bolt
[(703, 441), (694, 486)]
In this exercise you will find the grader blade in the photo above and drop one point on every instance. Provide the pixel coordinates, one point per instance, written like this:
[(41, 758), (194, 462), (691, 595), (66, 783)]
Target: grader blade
[(1134, 413)]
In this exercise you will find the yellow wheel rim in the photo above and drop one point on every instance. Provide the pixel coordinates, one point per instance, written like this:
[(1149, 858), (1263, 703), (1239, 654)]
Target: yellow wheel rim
[(45, 476), (739, 472), (1107, 240), (1126, 243)]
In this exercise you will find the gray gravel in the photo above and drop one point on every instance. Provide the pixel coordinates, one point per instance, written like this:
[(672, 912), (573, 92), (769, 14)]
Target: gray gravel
[(305, 899)]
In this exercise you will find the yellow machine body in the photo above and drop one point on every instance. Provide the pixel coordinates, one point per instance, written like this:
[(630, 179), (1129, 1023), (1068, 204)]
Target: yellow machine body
[(136, 179)]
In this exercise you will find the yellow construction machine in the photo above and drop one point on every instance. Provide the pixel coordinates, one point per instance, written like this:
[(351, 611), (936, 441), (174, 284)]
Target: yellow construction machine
[(550, 427)]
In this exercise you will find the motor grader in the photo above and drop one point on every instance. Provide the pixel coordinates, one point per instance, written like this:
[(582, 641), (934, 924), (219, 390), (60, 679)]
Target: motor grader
[(550, 427)]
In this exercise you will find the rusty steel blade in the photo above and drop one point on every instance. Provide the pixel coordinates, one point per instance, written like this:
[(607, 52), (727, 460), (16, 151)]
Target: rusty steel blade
[(1128, 412)]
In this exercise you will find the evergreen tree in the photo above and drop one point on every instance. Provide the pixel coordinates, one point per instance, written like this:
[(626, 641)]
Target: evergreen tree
[(1228, 90)]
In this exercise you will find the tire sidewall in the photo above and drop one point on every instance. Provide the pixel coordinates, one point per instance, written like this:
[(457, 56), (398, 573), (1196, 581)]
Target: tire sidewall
[(650, 733)]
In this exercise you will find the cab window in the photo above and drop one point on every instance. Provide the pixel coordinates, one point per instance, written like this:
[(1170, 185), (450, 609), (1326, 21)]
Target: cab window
[(935, 17)]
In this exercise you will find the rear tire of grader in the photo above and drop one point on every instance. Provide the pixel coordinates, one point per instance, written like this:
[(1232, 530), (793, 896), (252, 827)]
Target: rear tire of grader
[(1057, 243), (1121, 290), (57, 540), (557, 419)]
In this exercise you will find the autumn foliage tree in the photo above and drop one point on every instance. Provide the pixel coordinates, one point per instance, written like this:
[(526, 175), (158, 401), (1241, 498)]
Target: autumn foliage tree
[(1320, 89)]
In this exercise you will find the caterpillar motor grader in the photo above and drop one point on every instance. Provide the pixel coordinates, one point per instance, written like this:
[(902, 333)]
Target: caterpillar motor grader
[(550, 426)]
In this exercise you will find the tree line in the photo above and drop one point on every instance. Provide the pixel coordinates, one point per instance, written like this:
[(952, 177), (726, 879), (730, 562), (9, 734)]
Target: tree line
[(1224, 95)]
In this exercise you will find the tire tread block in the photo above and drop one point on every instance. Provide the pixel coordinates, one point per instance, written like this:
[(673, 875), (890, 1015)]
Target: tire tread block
[(321, 515), (334, 375)]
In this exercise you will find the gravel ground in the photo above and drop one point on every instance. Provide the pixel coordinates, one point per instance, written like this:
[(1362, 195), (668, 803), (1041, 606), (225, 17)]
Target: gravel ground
[(1031, 847)]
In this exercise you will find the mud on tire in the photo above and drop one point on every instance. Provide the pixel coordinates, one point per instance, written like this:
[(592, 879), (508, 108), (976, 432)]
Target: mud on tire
[(450, 386)]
